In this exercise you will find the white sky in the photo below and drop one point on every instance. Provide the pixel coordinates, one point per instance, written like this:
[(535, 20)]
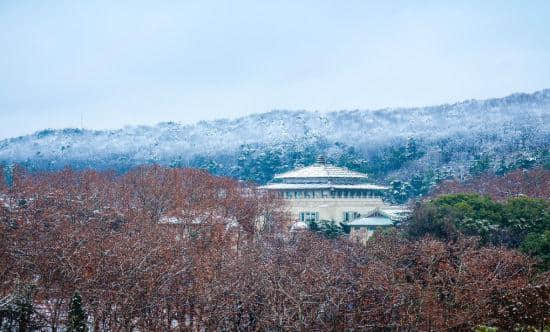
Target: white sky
[(141, 62)]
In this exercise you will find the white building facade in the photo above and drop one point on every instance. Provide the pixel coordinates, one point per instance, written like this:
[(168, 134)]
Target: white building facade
[(326, 192)]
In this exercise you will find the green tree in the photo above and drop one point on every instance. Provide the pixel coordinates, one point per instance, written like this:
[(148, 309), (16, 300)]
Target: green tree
[(77, 316), (427, 221), (329, 229), (480, 165), (526, 215), (420, 185), (519, 222), (23, 307), (538, 245), (313, 226), (473, 206), (400, 191)]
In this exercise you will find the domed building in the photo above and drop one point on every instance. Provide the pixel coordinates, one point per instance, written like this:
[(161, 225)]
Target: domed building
[(325, 192)]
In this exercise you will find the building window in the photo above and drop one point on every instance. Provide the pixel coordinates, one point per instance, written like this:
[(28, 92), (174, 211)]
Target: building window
[(351, 215), (309, 216)]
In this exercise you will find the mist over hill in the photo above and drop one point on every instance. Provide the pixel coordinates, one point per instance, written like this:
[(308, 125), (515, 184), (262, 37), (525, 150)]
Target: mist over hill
[(429, 143)]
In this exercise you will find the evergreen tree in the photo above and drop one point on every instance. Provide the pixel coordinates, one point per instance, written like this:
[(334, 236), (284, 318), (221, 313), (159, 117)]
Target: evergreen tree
[(330, 229), (400, 192), (480, 165), (503, 168), (77, 315), (23, 307), (313, 226), (8, 174), (538, 245)]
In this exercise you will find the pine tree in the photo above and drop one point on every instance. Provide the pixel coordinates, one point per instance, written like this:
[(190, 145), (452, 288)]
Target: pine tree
[(77, 315), (329, 229), (23, 307), (313, 226)]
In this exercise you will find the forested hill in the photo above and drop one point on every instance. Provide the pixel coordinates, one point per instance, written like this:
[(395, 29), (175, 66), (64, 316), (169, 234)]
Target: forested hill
[(420, 145)]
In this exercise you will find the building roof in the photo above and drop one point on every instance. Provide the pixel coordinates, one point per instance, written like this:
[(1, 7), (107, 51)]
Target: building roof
[(371, 221), (394, 213), (321, 170), (291, 186), (299, 225)]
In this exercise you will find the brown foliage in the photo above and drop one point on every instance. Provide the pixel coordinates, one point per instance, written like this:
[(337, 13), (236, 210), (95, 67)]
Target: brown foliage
[(524, 306), (532, 183), (225, 263)]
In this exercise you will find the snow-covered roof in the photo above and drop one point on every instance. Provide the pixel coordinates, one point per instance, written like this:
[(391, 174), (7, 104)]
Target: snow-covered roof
[(230, 222), (371, 221), (291, 186), (394, 213), (321, 170), (299, 225), (397, 213), (170, 220)]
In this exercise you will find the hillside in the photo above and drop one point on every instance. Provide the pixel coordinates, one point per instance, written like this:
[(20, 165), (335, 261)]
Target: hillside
[(433, 142)]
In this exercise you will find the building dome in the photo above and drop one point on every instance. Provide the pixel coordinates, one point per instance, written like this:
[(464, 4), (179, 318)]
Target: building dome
[(321, 170), (322, 175)]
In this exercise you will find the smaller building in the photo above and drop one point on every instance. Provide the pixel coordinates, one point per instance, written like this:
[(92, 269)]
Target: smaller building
[(362, 228)]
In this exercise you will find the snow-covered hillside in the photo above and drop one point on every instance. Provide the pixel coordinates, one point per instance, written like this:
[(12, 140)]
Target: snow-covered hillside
[(499, 125)]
